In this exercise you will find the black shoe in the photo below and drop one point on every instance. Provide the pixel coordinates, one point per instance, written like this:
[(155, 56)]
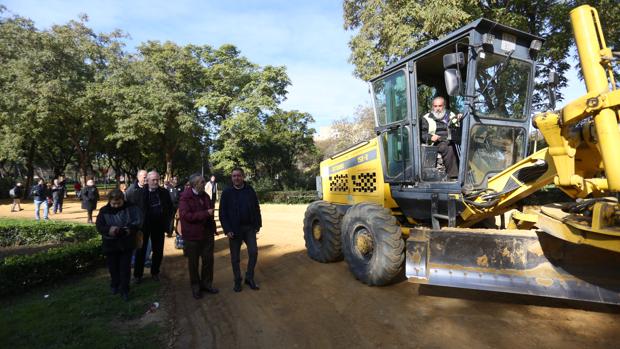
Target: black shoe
[(196, 294), (114, 290), (137, 280), (252, 284), (155, 277), (125, 296), (237, 287), (211, 290)]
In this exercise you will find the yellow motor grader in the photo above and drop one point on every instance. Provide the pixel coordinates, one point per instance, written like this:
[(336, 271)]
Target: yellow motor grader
[(388, 204)]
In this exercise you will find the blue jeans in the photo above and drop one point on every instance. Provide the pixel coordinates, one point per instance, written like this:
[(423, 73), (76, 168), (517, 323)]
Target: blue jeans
[(37, 207)]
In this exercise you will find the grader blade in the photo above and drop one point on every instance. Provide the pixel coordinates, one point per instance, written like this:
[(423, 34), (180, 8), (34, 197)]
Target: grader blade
[(515, 261)]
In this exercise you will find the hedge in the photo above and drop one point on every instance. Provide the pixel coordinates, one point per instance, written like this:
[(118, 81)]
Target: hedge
[(27, 232), (20, 273), (287, 197)]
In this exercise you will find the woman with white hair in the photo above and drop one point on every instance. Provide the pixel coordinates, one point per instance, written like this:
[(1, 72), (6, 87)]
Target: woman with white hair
[(90, 196)]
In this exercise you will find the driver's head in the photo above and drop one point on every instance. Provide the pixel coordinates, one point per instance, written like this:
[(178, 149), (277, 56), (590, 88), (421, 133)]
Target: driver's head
[(439, 105)]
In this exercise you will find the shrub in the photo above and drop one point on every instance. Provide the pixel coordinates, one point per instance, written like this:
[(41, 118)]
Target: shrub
[(287, 197), (26, 232), (20, 273)]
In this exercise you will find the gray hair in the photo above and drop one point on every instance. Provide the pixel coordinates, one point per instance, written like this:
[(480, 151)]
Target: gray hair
[(140, 172), (152, 173), (193, 179)]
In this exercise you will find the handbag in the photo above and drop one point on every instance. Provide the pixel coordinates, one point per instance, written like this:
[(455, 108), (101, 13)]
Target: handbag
[(178, 242)]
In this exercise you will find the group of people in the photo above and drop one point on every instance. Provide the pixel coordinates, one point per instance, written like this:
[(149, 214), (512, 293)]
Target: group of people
[(52, 194), (146, 211)]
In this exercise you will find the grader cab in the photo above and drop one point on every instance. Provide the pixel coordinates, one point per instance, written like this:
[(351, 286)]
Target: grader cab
[(388, 206)]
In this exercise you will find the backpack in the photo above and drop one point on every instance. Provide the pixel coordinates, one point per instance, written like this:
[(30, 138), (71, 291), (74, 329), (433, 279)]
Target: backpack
[(12, 193)]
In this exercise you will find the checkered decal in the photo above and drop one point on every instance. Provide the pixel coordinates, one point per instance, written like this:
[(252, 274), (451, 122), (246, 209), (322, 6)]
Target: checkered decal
[(339, 183), (364, 182)]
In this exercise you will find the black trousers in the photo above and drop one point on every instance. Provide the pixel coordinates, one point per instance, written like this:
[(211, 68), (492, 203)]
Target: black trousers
[(197, 250), (448, 154), (119, 265), (247, 235), (156, 234)]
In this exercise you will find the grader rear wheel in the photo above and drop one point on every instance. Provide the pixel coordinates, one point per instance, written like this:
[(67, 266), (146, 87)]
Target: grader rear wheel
[(372, 244), (322, 232)]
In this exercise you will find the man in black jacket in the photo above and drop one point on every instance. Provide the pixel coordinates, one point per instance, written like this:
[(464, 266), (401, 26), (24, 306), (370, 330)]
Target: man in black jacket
[(157, 212), (135, 193), (40, 195), (241, 220), (435, 130)]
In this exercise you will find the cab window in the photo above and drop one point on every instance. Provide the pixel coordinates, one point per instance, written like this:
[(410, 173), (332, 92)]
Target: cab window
[(390, 95), (396, 145)]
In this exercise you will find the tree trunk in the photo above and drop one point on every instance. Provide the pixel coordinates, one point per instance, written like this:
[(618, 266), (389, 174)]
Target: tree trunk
[(29, 169), (168, 166)]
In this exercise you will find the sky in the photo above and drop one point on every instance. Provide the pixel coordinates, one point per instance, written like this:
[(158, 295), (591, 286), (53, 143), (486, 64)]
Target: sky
[(305, 36)]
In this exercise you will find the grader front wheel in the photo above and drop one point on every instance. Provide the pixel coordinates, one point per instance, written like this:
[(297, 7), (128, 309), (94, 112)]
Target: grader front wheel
[(322, 232), (372, 244)]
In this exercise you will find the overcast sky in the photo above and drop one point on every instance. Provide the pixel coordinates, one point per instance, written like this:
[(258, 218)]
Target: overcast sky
[(305, 36)]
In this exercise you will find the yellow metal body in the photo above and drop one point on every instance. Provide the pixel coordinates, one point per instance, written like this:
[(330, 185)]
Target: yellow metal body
[(583, 160), (356, 175)]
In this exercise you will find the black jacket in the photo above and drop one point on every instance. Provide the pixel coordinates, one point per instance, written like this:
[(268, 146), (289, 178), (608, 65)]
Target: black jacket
[(90, 196), (229, 210), (134, 195), (166, 207), (40, 192), (128, 216)]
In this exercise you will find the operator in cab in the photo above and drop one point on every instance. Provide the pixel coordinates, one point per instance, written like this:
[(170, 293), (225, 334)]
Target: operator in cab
[(435, 131)]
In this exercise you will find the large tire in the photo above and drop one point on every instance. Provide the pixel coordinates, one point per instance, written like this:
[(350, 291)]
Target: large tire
[(372, 244), (322, 232)]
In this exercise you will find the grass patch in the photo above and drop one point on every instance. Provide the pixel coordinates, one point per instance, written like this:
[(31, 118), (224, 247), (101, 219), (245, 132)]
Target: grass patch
[(82, 313)]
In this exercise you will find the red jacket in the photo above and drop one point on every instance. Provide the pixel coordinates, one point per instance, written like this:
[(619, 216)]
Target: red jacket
[(196, 222)]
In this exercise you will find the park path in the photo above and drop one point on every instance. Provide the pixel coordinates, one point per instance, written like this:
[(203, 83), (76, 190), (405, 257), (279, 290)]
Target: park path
[(304, 304)]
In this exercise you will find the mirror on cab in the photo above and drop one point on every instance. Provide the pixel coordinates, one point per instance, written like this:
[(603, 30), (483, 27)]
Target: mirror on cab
[(452, 76)]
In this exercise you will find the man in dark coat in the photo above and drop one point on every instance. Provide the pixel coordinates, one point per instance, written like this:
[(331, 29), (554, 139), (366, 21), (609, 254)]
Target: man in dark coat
[(118, 222), (40, 195), (241, 220), (90, 196), (435, 130), (157, 211), (135, 193), (196, 215)]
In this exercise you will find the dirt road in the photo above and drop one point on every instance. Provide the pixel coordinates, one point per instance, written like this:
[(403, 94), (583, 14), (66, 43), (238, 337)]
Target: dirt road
[(305, 304)]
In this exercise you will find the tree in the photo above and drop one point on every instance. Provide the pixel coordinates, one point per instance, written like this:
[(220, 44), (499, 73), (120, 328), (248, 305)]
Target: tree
[(386, 31), (274, 149), (346, 132)]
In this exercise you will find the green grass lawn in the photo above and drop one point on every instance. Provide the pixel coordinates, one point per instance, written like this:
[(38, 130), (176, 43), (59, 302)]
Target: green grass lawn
[(82, 313)]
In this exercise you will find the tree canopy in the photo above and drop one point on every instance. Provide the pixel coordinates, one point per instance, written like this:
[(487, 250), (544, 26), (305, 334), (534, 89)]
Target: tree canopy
[(73, 98), (384, 31)]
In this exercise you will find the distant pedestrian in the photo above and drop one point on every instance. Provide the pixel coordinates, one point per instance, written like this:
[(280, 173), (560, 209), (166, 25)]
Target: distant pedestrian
[(119, 222), (157, 209), (58, 195), (40, 194), (211, 189), (90, 196), (196, 214), (241, 220), (78, 190), (16, 195)]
